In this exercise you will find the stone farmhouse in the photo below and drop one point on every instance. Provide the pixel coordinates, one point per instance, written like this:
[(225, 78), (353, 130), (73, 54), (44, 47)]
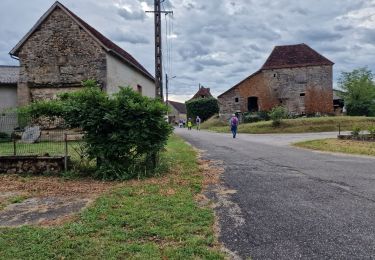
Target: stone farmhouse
[(294, 76), (202, 93), (61, 50), (8, 86), (177, 111)]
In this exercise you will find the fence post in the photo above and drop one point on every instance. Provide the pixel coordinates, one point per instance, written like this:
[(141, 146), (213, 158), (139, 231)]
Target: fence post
[(66, 152), (339, 128), (14, 144)]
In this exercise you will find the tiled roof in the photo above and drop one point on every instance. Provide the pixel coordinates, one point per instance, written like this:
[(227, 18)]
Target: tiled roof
[(108, 44), (9, 74), (291, 56), (202, 92), (180, 107)]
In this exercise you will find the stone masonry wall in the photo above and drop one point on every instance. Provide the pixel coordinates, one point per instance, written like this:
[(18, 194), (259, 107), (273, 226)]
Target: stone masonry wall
[(60, 55), (305, 90), (31, 164), (251, 87)]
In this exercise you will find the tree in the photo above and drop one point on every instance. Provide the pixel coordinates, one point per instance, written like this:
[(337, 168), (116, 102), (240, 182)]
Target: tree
[(202, 107), (358, 92), (123, 132)]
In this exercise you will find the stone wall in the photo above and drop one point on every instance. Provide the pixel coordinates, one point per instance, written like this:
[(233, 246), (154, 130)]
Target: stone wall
[(61, 55), (31, 165), (252, 87), (305, 90)]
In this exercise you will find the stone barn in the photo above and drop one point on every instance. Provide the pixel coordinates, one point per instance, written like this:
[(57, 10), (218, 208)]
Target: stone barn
[(62, 50), (294, 76)]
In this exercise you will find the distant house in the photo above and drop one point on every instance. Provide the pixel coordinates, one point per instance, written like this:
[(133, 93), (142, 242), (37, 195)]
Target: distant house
[(8, 87), (294, 76), (177, 111), (62, 50), (202, 93)]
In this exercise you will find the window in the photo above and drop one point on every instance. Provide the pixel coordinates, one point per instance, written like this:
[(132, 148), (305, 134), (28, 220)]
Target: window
[(139, 89), (302, 94), (236, 100)]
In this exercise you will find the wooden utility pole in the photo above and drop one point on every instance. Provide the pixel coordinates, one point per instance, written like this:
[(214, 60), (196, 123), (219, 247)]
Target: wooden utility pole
[(158, 47)]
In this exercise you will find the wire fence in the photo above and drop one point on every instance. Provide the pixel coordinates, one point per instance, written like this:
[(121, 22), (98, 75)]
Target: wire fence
[(49, 137)]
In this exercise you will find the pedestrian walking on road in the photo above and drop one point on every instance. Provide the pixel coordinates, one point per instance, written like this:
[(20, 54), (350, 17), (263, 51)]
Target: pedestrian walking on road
[(189, 124), (234, 125), (198, 123)]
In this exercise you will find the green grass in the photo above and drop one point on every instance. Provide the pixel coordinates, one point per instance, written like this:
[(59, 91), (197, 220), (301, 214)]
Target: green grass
[(300, 125), (42, 148), (149, 219), (340, 146)]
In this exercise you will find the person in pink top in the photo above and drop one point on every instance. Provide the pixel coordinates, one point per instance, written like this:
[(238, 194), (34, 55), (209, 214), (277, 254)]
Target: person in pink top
[(234, 125)]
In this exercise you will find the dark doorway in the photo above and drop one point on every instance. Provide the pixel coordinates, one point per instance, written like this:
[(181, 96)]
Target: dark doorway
[(252, 104)]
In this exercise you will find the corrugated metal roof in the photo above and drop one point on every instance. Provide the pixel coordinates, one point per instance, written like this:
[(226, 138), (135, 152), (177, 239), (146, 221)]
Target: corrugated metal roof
[(9, 74)]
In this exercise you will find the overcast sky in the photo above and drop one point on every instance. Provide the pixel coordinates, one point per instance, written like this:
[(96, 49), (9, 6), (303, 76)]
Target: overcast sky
[(215, 42)]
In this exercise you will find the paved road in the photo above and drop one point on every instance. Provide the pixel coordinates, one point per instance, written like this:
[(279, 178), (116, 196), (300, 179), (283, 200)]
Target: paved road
[(290, 203)]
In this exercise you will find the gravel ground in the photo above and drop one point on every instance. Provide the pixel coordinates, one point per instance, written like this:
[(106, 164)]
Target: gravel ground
[(290, 203)]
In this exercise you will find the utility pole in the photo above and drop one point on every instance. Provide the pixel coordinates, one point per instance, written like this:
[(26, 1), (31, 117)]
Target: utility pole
[(167, 87), (158, 47)]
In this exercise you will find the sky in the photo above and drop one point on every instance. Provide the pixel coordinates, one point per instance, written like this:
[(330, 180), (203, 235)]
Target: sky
[(216, 43)]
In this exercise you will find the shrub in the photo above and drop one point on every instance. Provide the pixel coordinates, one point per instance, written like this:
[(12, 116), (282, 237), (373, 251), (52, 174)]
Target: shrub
[(202, 107), (124, 132), (4, 137), (356, 131), (277, 114), (372, 131)]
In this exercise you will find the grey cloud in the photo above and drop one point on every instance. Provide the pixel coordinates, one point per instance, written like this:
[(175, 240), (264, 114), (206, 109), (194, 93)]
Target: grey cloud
[(134, 15), (193, 50), (299, 11), (130, 37), (321, 35), (341, 28)]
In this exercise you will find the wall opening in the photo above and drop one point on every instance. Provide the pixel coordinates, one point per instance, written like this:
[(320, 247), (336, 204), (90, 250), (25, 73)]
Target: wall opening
[(236, 100), (252, 104)]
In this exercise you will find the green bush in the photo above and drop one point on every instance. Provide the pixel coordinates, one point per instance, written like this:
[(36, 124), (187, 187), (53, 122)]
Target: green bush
[(202, 107), (253, 117), (4, 137), (372, 131), (356, 131), (277, 114), (124, 132)]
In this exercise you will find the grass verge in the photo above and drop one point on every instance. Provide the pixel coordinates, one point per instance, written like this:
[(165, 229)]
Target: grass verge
[(300, 125), (155, 218), (340, 146)]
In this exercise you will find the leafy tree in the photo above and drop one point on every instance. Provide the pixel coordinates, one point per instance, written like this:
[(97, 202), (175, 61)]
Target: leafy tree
[(202, 107), (123, 132), (358, 92)]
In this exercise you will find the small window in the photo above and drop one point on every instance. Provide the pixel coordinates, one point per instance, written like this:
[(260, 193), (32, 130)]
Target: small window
[(302, 94), (139, 89), (236, 100), (274, 75)]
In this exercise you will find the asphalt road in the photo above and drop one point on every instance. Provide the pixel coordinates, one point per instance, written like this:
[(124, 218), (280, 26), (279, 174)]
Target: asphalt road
[(280, 202)]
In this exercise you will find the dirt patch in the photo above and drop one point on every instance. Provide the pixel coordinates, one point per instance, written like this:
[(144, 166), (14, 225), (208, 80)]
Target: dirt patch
[(45, 201)]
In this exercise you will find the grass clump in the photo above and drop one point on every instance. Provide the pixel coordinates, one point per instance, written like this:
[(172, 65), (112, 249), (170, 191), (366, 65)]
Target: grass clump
[(340, 146)]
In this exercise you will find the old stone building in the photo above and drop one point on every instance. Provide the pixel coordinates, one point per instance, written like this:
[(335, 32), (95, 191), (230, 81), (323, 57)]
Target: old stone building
[(62, 50), (8, 87), (202, 93), (294, 76), (177, 112)]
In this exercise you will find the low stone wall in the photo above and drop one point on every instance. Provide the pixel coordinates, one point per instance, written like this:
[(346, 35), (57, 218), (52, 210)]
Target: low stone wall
[(31, 164)]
